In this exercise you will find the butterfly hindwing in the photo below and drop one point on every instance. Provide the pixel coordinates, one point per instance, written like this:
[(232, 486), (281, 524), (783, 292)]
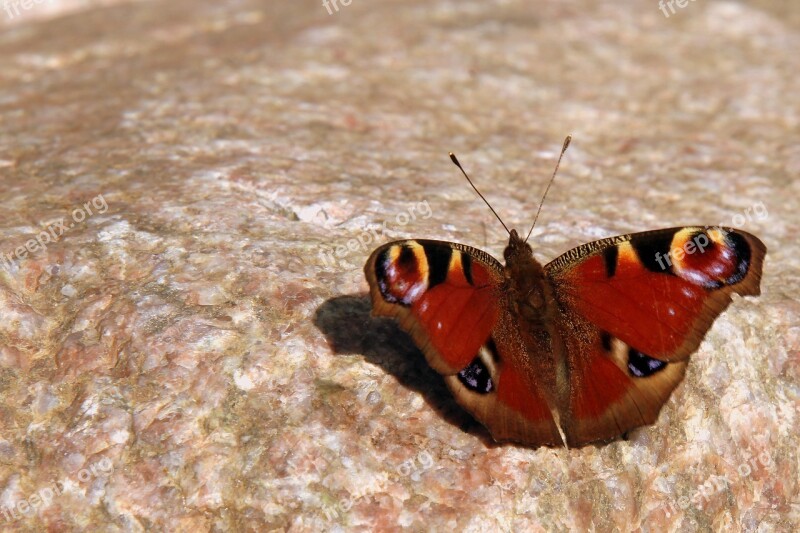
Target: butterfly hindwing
[(512, 407), (613, 388)]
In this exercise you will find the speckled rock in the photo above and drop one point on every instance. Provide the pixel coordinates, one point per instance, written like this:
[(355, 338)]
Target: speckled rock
[(189, 190)]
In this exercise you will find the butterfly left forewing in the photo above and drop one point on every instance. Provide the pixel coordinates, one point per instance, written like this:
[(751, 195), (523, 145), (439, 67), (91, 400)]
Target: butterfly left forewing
[(632, 313), (443, 294)]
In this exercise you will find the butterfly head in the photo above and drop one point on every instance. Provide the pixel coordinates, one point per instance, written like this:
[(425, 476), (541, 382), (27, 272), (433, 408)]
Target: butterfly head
[(517, 248), (521, 267)]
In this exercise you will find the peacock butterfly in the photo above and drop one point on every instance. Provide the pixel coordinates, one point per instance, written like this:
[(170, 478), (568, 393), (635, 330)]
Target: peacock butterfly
[(582, 349)]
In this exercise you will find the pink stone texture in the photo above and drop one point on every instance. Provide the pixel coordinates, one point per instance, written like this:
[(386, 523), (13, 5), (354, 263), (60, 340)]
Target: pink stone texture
[(189, 191)]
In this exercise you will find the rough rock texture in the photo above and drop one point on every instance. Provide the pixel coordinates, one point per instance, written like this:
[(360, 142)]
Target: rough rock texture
[(193, 351)]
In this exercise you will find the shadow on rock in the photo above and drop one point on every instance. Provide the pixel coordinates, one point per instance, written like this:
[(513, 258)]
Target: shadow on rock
[(350, 329)]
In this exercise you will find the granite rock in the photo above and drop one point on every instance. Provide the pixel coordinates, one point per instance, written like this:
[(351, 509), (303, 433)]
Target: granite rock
[(188, 346)]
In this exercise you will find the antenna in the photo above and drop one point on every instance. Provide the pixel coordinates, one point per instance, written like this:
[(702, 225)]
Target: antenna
[(563, 149), (455, 161)]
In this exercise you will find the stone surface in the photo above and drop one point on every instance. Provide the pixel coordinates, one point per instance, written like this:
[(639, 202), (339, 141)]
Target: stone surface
[(193, 351)]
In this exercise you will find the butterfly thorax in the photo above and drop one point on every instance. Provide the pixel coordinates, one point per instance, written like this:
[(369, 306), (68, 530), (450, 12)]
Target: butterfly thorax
[(526, 282)]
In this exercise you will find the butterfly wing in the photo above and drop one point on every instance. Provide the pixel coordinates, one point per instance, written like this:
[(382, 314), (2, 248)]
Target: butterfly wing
[(633, 308), (450, 299)]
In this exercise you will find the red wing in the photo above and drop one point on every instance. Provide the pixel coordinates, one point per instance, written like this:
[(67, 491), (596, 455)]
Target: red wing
[(444, 296), (660, 303), (634, 308), (513, 410), (613, 387), (449, 298)]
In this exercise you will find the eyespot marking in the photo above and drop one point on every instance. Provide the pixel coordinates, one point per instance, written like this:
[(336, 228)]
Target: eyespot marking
[(476, 377), (641, 365), (402, 273)]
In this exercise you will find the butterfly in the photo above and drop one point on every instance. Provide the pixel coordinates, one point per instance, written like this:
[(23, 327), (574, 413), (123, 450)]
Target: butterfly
[(580, 350)]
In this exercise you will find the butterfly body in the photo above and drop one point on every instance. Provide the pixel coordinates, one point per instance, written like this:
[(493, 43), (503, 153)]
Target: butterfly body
[(582, 349)]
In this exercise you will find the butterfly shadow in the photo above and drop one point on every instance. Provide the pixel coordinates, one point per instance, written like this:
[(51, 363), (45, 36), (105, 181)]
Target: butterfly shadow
[(350, 329)]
